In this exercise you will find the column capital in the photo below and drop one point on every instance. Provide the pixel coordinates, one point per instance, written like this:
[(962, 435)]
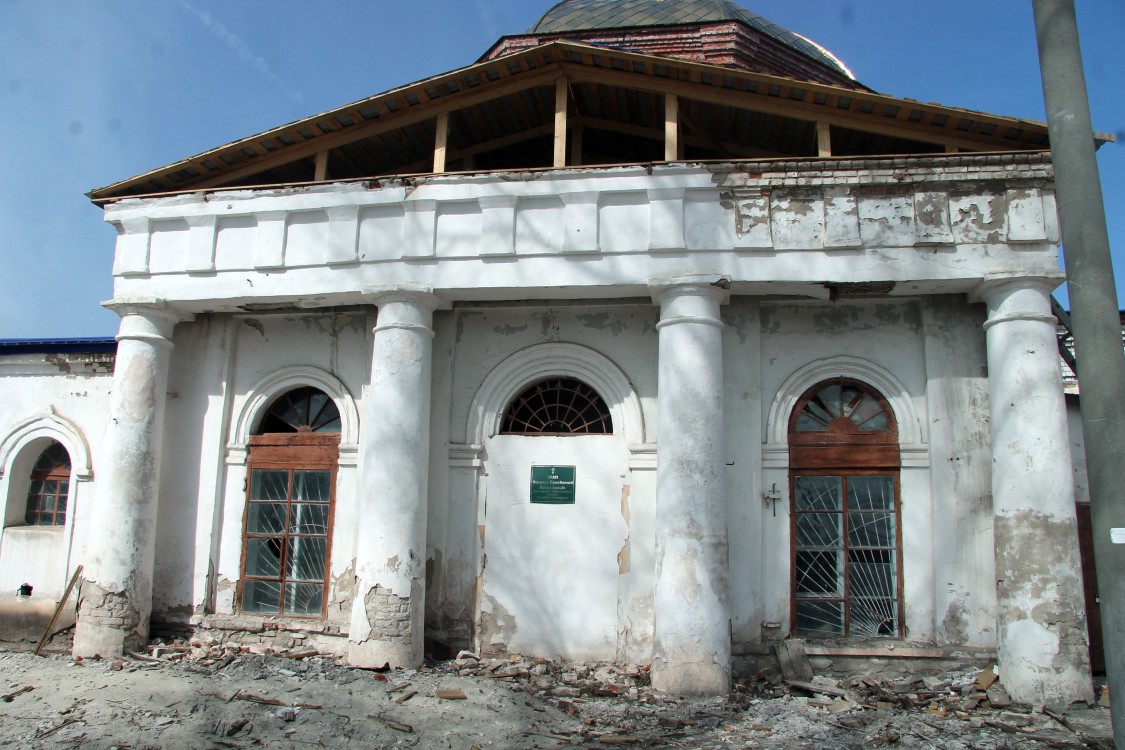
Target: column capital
[(411, 294), (995, 286), (146, 318), (714, 286)]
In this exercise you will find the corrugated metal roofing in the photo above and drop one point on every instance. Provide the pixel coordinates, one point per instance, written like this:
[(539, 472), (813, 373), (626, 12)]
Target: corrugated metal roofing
[(578, 15), (58, 346)]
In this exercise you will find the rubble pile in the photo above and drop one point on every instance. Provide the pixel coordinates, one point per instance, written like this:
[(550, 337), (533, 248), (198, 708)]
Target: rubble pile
[(208, 695)]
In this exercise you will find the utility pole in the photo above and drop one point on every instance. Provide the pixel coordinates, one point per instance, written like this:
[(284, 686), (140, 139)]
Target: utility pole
[(1095, 319)]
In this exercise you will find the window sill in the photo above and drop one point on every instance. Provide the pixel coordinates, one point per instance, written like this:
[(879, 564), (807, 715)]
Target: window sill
[(257, 623)]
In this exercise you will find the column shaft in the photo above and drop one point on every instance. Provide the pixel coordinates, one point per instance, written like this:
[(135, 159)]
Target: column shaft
[(115, 598), (1043, 655), (691, 648), (389, 606)]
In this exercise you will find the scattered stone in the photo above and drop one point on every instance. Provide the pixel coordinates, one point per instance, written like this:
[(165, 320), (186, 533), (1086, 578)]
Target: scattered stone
[(998, 696)]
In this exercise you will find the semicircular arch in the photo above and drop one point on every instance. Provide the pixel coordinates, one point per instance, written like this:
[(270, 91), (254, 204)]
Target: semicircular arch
[(269, 388), (51, 426), (869, 373), (528, 366)]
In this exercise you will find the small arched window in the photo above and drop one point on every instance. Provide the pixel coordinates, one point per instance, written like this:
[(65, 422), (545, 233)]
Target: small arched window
[(558, 406), (846, 528), (289, 506), (50, 485)]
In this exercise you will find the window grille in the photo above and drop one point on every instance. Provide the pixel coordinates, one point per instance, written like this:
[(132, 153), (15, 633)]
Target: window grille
[(846, 528), (287, 528), (301, 410), (50, 485), (558, 406)]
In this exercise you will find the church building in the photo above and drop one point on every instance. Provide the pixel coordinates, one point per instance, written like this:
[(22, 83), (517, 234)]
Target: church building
[(652, 336)]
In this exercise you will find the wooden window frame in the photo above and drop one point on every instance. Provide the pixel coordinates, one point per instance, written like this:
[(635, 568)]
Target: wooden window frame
[(59, 474), (300, 451), (845, 451)]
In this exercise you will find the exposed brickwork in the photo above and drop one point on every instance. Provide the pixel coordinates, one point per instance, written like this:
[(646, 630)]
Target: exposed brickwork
[(726, 43), (110, 610), (389, 615)]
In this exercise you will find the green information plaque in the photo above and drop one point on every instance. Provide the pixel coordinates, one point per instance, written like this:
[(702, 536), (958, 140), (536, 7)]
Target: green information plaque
[(552, 485)]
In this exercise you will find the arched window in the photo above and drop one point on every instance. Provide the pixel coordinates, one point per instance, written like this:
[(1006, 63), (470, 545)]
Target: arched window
[(49, 488), (289, 506), (846, 531), (558, 406)]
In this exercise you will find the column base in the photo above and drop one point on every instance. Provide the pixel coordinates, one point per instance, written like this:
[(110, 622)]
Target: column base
[(377, 654), (108, 623), (691, 680)]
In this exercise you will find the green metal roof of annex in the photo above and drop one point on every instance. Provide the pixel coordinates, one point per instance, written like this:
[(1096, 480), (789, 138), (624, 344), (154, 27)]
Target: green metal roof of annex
[(580, 15)]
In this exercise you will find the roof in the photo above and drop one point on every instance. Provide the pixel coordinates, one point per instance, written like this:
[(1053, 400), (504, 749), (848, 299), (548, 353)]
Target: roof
[(501, 111), (578, 15), (58, 346)]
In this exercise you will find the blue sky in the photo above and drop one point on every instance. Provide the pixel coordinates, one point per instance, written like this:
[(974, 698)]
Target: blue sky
[(92, 92)]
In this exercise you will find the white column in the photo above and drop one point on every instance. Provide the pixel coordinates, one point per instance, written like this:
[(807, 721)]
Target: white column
[(691, 643), (390, 567), (115, 598), (1041, 617)]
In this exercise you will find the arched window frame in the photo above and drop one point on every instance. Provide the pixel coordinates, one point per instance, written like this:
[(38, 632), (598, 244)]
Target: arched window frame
[(48, 492), (845, 457), (298, 457), (559, 406)]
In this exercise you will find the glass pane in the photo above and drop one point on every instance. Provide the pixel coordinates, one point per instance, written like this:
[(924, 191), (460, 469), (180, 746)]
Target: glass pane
[(820, 618), (266, 518), (35, 488), (819, 530), (819, 493), (871, 573), (261, 596), (878, 422), (64, 490), (819, 574), (311, 486), (871, 530), (871, 493), (304, 599), (269, 484), (873, 618), (306, 518), (850, 399), (866, 409), (805, 423), (263, 557), (825, 405), (306, 558)]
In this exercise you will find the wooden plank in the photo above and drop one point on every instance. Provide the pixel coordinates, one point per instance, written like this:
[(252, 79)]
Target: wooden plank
[(58, 609), (562, 96), (793, 660), (823, 139), (441, 140), (671, 127), (320, 173)]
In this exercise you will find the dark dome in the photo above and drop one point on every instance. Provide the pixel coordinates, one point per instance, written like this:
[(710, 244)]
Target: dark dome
[(580, 15)]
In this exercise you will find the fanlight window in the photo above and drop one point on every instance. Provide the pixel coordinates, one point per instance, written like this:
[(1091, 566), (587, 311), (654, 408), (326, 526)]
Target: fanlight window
[(834, 404), (302, 410), (50, 485), (559, 406)]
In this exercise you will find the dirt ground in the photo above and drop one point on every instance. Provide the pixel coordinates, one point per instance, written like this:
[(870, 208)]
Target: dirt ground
[(180, 696)]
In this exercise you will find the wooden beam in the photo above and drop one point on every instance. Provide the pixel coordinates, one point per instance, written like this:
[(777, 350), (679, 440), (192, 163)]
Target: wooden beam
[(320, 173), (441, 140), (562, 96), (823, 139), (777, 106), (671, 127), (542, 76), (576, 144)]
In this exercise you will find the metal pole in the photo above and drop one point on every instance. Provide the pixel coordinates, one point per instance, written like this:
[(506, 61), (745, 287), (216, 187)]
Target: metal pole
[(1095, 318)]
